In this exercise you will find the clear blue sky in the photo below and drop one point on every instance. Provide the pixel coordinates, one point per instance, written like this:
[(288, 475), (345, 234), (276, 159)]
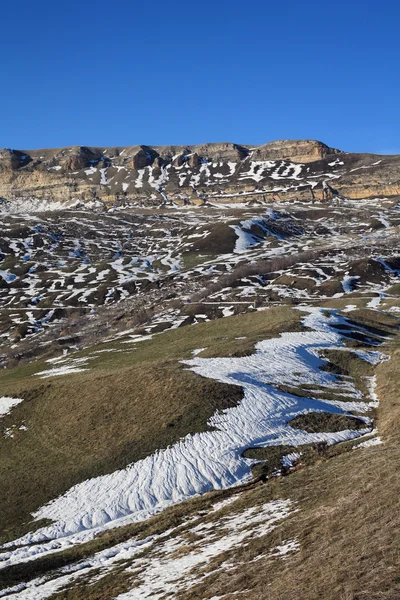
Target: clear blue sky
[(128, 72)]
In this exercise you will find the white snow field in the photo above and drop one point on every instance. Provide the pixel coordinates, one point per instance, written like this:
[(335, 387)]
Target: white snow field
[(212, 459)]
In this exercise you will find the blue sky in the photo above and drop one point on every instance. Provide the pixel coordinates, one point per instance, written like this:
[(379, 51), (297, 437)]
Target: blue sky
[(171, 72)]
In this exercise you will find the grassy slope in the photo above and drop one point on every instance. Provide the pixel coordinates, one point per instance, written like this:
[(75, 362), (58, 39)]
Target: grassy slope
[(347, 524), (126, 406), (346, 499)]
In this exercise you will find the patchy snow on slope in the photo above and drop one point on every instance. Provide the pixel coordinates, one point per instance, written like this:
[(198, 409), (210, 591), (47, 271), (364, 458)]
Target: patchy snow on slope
[(7, 276), (371, 381), (103, 179), (371, 356), (282, 550), (171, 564), (348, 283), (212, 459), (91, 170), (374, 441), (349, 308), (6, 404), (197, 351), (139, 179), (135, 338), (10, 432), (174, 571), (290, 459), (64, 370), (67, 365), (245, 239), (375, 302), (227, 311), (257, 170), (294, 168), (33, 205)]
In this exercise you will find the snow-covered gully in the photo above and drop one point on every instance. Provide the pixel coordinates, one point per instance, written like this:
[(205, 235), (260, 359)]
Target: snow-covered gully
[(212, 459)]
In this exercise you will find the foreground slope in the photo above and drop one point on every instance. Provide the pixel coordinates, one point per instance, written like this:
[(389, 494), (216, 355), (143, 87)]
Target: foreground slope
[(277, 520), (221, 430)]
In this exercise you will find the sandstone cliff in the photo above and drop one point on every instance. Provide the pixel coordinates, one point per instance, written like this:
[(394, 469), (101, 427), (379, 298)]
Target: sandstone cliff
[(222, 172)]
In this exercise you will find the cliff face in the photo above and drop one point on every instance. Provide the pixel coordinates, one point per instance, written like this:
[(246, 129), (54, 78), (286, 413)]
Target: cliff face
[(223, 172)]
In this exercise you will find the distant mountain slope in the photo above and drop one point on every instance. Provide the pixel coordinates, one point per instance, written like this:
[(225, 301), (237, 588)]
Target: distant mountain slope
[(223, 172)]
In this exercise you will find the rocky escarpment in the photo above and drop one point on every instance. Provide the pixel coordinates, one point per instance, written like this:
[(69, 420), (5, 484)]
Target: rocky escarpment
[(223, 172)]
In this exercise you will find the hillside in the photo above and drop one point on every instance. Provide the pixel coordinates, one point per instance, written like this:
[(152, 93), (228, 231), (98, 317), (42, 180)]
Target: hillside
[(181, 175), (199, 390)]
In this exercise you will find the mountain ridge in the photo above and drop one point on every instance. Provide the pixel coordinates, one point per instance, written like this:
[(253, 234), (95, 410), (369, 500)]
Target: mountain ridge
[(195, 174)]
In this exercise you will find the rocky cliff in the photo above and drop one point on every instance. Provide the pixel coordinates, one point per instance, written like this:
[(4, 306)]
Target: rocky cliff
[(222, 172)]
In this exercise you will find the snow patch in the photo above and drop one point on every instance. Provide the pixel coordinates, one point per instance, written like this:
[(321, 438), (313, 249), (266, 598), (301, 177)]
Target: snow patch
[(375, 441), (7, 403)]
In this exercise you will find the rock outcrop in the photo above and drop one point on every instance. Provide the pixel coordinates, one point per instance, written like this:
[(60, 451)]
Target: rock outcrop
[(220, 172), (303, 151)]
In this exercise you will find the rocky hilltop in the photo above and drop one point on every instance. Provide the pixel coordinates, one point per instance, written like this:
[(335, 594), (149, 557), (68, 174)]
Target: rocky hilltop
[(221, 172)]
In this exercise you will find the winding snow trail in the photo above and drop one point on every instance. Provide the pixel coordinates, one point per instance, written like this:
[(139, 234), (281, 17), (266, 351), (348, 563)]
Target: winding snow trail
[(212, 459)]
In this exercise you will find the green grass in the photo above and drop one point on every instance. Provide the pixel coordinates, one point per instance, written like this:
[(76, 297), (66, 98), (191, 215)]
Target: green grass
[(394, 290), (194, 259), (347, 363), (340, 303), (125, 407)]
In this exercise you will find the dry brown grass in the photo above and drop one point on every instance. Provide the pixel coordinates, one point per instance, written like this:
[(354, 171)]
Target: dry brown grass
[(260, 267), (108, 587), (316, 422), (347, 525)]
